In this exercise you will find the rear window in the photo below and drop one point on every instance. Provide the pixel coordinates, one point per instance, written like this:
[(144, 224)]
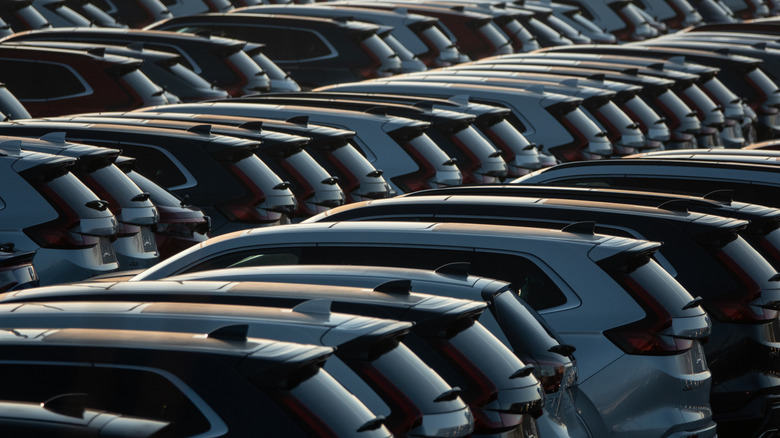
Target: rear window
[(11, 107), (190, 77), (491, 33), (637, 107), (381, 51), (271, 69), (762, 84), (750, 261), (398, 47), (516, 31), (584, 125), (257, 173), (243, 63), (720, 92), (475, 142), (31, 18), (335, 408), (546, 33), (31, 80), (303, 165), (148, 91), (118, 186), (436, 37), (771, 244), (69, 15), (156, 165), (673, 104), (524, 329), (429, 151), (76, 195), (97, 15), (700, 101)]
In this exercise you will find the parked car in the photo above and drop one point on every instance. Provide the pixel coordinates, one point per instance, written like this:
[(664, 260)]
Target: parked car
[(59, 14), (332, 148), (219, 174), (551, 120), (96, 16), (198, 385), (676, 14), (46, 209), (285, 156), (10, 107), (163, 68), (51, 82), (134, 13), (454, 132), (376, 380), (622, 19), (180, 225), (181, 8), (532, 257), (445, 335), (20, 16), (507, 317), (573, 16), (316, 51), (136, 215), (409, 159), (220, 61)]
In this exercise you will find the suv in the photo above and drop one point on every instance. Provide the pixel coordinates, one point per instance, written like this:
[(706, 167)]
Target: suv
[(16, 268), (399, 146), (445, 335), (52, 82), (507, 317), (596, 269), (316, 51), (219, 174), (220, 61), (216, 384), (136, 215), (46, 209)]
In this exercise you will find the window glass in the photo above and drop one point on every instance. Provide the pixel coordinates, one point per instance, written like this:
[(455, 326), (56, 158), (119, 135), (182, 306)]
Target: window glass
[(31, 18), (69, 15), (309, 45), (155, 165), (11, 107), (254, 257), (584, 21), (476, 143), (429, 151), (97, 15), (29, 80), (341, 411), (282, 46), (144, 87), (157, 194), (750, 261), (491, 33), (641, 110), (397, 47), (124, 391), (190, 77), (667, 291), (122, 188), (535, 286), (525, 329), (440, 41), (257, 173), (546, 33), (269, 67), (76, 195), (516, 31)]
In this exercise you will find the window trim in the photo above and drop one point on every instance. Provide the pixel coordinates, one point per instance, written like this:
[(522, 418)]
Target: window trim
[(190, 180), (87, 89)]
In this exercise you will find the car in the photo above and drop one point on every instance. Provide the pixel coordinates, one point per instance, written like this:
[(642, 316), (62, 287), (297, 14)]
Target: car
[(51, 82), (183, 8), (409, 159), (198, 385), (20, 15), (415, 33), (551, 120), (676, 14), (573, 16), (314, 188), (136, 215), (180, 225), (332, 148), (714, 11), (316, 51), (134, 13), (376, 381), (763, 232), (445, 335), (624, 20), (10, 107), (163, 68), (47, 210), (533, 258), (219, 174), (96, 16), (454, 132), (220, 61), (58, 14), (509, 318)]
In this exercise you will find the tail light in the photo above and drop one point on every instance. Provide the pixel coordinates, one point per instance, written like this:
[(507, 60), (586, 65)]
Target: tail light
[(550, 375), (735, 306), (644, 336)]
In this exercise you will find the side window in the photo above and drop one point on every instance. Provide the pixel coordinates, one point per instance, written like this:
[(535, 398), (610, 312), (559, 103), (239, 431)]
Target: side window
[(120, 390), (401, 257), (744, 192), (254, 257), (155, 165), (309, 45), (535, 286), (598, 181), (279, 43)]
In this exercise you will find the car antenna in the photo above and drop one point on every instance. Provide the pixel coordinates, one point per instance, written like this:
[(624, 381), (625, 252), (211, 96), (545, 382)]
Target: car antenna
[(395, 287), (460, 269), (236, 332), (72, 404), (584, 227), (315, 307)]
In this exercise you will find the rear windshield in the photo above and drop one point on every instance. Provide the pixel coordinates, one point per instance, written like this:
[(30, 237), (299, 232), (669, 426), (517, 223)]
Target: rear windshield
[(436, 37), (546, 33), (642, 111), (675, 105), (308, 169), (157, 194), (563, 28), (334, 406), (271, 69), (11, 107), (771, 242), (75, 194), (431, 152), (257, 173), (241, 64), (508, 135), (475, 142), (750, 261), (667, 291), (524, 328), (610, 114), (515, 31), (585, 125), (631, 15), (584, 22), (351, 161), (190, 77), (118, 186), (381, 51), (490, 32), (416, 380), (146, 89)]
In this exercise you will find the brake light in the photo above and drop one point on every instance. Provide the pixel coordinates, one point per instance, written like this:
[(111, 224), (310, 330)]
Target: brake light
[(404, 414), (735, 306), (550, 375), (644, 337), (244, 209)]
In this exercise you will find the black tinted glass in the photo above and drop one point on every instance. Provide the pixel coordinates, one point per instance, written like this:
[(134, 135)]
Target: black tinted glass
[(155, 165)]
